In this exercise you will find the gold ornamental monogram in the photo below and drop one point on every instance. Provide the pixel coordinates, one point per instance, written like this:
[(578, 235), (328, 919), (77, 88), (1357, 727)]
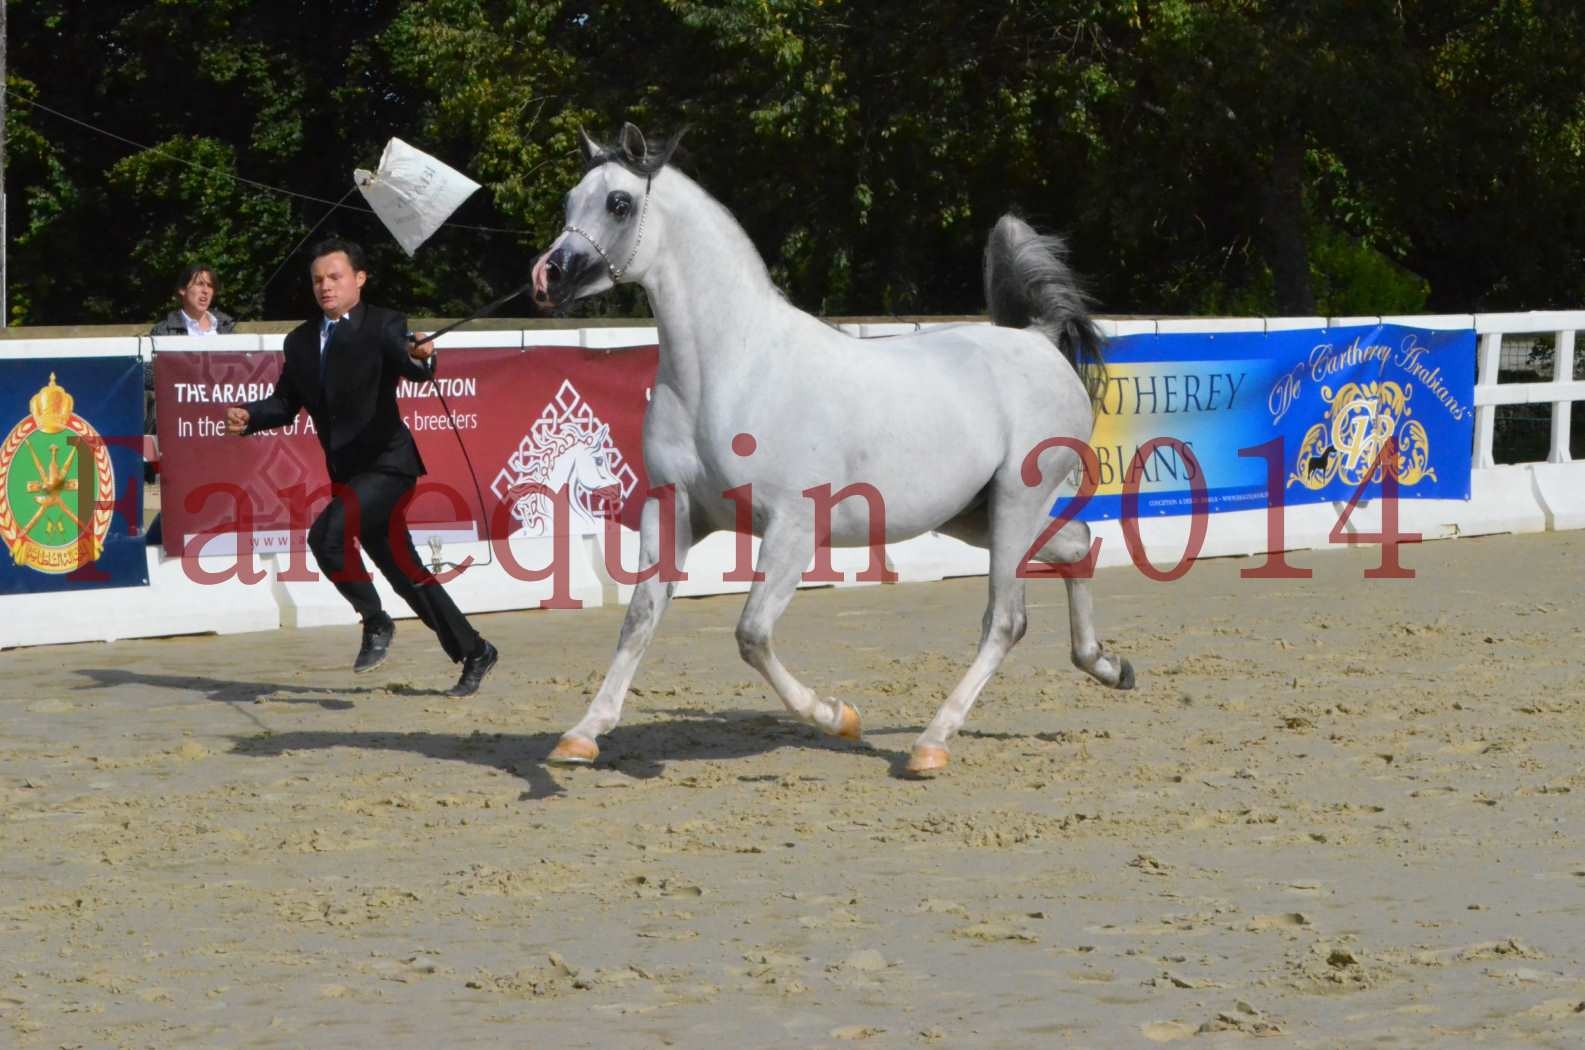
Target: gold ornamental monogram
[(47, 521), (1348, 444)]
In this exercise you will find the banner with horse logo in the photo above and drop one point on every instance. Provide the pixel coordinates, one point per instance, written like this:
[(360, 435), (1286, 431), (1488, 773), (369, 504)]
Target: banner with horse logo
[(1192, 421), (534, 422), (71, 474)]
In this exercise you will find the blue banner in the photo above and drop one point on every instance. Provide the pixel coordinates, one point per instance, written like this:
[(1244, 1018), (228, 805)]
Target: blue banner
[(1196, 419), (71, 474)]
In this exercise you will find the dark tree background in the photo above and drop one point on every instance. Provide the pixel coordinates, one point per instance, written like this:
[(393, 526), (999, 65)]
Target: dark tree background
[(1205, 156)]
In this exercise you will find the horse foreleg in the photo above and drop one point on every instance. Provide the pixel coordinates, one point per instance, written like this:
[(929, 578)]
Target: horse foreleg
[(782, 560), (1070, 545), (650, 598)]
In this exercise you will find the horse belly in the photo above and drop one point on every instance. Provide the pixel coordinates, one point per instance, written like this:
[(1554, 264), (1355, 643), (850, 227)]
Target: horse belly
[(918, 484), (902, 441), (852, 524)]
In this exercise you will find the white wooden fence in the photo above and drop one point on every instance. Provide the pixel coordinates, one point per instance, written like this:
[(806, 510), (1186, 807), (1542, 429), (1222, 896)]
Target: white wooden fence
[(1517, 497)]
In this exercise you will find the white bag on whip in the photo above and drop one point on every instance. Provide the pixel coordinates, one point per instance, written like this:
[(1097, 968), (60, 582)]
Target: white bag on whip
[(412, 192)]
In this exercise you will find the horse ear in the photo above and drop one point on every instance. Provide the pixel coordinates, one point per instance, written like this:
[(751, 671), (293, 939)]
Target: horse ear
[(633, 143), (590, 147)]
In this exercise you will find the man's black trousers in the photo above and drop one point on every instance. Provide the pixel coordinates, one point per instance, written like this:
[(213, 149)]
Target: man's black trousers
[(372, 507)]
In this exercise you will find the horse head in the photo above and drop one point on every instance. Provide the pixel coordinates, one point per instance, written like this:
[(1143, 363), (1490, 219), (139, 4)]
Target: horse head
[(591, 476), (610, 232)]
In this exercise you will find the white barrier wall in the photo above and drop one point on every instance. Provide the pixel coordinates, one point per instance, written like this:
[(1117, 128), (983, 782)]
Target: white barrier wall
[(1523, 497)]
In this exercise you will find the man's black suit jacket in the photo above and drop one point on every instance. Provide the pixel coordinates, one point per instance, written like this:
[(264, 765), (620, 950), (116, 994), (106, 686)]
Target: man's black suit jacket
[(354, 410)]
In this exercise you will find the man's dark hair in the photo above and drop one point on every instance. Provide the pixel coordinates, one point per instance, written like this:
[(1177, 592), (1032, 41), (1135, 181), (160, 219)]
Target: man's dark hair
[(187, 275), (331, 245)]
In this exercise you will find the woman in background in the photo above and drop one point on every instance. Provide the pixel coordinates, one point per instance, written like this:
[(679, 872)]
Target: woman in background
[(196, 289)]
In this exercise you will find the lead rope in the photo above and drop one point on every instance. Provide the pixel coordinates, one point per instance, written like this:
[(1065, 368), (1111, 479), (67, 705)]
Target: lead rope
[(436, 564)]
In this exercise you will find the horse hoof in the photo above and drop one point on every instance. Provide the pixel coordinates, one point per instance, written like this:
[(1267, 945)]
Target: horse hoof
[(1125, 677), (574, 751), (925, 761), (849, 727)]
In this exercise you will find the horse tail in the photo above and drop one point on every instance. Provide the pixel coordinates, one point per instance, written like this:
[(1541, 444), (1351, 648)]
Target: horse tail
[(1028, 284)]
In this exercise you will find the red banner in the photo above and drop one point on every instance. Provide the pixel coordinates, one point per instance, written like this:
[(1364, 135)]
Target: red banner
[(533, 421)]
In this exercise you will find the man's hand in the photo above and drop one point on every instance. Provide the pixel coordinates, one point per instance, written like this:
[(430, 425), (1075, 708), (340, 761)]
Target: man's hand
[(236, 419), (423, 346)]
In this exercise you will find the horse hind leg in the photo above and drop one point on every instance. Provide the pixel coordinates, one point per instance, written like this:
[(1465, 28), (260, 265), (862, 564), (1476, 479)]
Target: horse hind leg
[(1071, 544)]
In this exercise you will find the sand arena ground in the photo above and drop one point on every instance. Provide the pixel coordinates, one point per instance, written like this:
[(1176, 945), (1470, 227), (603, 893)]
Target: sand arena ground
[(1337, 812)]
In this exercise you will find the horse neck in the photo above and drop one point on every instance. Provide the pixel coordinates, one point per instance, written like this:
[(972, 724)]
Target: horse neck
[(708, 286)]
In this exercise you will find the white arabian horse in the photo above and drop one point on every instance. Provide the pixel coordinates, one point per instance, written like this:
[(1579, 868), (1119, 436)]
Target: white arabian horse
[(941, 423)]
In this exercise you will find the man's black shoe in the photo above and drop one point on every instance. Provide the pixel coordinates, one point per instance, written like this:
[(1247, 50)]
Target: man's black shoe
[(474, 668), (376, 643)]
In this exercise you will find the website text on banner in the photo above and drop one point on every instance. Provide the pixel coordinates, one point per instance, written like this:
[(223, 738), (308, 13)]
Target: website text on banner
[(533, 421), (71, 474), (1196, 423)]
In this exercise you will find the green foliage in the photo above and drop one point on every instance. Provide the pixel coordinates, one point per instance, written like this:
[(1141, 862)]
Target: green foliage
[(1204, 156), (194, 209), (1352, 279)]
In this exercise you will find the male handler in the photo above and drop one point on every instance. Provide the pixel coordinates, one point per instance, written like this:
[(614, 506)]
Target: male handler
[(343, 367)]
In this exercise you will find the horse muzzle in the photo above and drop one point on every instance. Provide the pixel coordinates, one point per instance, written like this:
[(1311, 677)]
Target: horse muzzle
[(564, 274)]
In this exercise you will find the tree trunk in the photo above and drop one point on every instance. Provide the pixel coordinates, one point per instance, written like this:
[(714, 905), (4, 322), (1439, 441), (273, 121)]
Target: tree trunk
[(1286, 246)]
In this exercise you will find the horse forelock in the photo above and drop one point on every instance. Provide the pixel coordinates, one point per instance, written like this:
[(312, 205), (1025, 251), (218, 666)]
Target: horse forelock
[(645, 167)]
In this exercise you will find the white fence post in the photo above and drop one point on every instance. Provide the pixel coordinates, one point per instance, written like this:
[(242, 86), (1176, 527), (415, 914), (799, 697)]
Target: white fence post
[(1562, 411), (1486, 415)]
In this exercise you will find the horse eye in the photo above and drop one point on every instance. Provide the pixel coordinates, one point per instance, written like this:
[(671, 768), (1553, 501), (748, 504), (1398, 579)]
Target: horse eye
[(619, 204)]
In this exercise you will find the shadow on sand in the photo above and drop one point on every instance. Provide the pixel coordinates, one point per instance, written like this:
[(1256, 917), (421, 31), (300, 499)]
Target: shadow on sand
[(640, 750), (227, 691), (637, 750)]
